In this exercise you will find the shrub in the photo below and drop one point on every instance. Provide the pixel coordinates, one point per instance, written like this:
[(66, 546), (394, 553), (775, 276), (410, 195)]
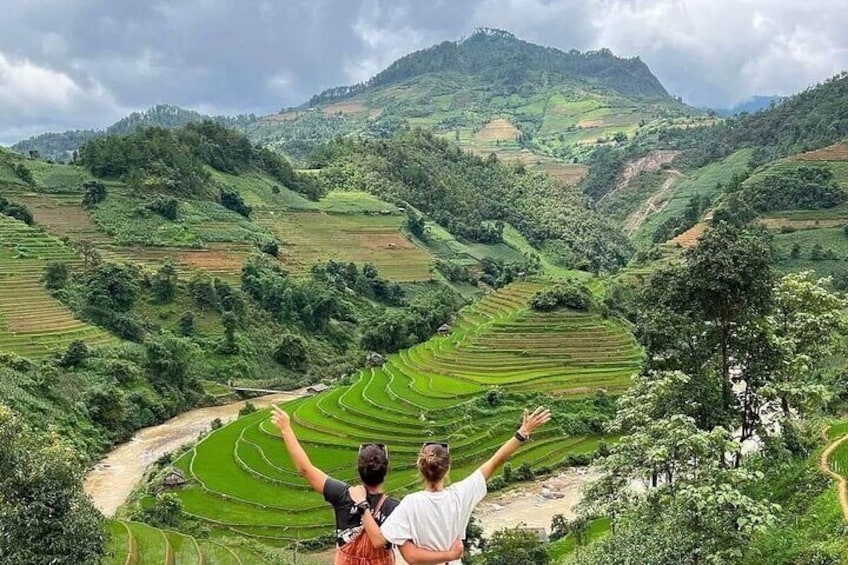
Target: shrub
[(56, 275), (216, 424), (95, 193), (247, 409), (168, 208), (17, 211), (76, 353), (232, 200), (569, 295), (291, 351), (269, 247)]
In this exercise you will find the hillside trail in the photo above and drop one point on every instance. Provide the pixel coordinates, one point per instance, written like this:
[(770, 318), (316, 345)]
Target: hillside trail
[(654, 204), (114, 477), (650, 163), (841, 485)]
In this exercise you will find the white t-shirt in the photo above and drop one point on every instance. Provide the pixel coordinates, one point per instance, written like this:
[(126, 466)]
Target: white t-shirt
[(434, 520)]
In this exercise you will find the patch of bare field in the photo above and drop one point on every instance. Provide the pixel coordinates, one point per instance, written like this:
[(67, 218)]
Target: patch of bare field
[(690, 237), (62, 219), (499, 129), (778, 223), (586, 124), (345, 107), (281, 117), (835, 152)]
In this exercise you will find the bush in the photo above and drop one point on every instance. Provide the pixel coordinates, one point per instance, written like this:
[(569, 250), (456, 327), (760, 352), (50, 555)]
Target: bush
[(569, 295), (232, 200), (216, 424), (168, 208), (291, 351), (17, 211), (56, 276), (270, 247), (248, 409), (95, 193)]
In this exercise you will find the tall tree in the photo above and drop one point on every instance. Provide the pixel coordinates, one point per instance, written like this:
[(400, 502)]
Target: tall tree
[(45, 516)]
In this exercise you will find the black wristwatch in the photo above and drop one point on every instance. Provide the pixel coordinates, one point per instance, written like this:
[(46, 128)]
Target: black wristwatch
[(521, 437), (363, 507)]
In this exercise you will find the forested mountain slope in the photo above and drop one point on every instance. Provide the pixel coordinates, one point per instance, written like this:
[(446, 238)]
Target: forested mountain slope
[(491, 92)]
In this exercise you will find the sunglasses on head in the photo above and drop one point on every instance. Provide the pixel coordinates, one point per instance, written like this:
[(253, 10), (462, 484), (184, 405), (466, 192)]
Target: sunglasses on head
[(381, 446), (439, 443)]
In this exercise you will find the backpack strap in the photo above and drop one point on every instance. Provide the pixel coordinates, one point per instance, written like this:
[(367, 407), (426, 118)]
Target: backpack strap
[(376, 510)]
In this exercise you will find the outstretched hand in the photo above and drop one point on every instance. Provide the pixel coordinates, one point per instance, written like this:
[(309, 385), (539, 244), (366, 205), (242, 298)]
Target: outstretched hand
[(539, 417), (281, 419), (357, 493)]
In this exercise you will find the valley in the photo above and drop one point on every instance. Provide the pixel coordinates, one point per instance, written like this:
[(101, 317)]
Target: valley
[(484, 225)]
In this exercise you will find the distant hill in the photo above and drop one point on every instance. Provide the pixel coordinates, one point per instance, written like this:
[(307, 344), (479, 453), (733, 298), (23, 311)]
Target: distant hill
[(751, 105), (490, 92), (784, 164), (60, 146)]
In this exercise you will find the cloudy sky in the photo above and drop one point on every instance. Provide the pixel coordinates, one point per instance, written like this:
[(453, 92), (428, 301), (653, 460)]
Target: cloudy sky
[(86, 63)]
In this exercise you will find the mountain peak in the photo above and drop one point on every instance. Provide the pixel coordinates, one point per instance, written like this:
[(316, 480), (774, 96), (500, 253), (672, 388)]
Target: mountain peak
[(503, 61)]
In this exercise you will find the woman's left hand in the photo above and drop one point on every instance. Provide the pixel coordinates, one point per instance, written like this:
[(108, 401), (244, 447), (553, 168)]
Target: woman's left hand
[(357, 494)]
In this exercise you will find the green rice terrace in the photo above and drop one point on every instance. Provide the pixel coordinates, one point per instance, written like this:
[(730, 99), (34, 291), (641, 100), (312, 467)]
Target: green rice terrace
[(33, 323), (242, 482), (137, 543)]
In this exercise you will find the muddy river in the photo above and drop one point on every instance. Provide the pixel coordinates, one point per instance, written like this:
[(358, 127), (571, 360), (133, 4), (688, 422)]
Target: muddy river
[(111, 481)]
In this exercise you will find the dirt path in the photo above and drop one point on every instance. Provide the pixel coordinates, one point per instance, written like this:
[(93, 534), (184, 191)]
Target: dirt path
[(650, 163), (654, 204), (112, 480), (534, 505), (840, 480)]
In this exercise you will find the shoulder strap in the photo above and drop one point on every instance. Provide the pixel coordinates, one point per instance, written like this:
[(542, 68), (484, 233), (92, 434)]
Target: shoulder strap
[(376, 510)]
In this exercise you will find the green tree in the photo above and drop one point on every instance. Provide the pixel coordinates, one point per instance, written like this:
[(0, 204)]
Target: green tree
[(515, 547), (45, 516), (56, 275), (164, 282), (291, 351), (166, 512), (112, 287), (795, 252), (186, 324), (106, 404), (76, 353), (229, 346), (95, 193), (203, 291), (169, 361), (817, 252)]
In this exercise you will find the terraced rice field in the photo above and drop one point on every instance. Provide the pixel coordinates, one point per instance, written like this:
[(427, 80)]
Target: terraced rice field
[(242, 481), (33, 323), (315, 237), (133, 543)]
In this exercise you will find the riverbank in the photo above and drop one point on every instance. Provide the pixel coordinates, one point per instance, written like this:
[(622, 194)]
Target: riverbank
[(113, 478), (535, 504)]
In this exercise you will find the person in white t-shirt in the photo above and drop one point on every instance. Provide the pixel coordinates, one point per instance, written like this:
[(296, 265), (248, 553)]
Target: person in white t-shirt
[(435, 517)]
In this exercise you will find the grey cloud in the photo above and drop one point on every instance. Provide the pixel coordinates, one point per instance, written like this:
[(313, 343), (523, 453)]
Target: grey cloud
[(99, 59)]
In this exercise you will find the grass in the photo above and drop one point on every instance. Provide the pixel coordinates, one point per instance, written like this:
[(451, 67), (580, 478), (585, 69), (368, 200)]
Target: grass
[(558, 550), (314, 237), (32, 322), (243, 481), (705, 182)]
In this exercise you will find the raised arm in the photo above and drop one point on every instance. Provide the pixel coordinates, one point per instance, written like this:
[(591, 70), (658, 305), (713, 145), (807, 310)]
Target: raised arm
[(412, 554), (315, 476), (531, 421)]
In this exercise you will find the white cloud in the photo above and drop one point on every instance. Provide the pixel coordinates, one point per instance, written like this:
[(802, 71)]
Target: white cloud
[(30, 93)]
